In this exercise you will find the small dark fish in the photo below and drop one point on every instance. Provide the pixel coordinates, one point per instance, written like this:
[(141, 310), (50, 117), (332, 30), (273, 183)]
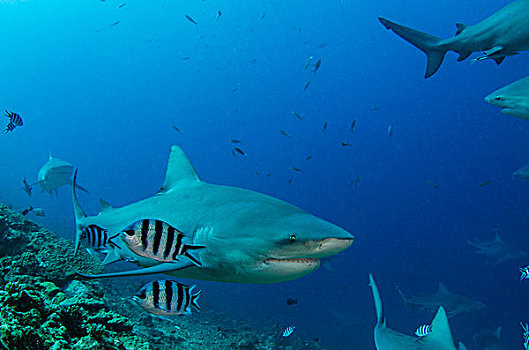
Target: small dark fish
[(307, 84), (268, 174), (297, 115), (308, 157), (115, 23), (374, 108), (307, 64), (292, 301), (27, 188), (432, 184), (235, 141), (219, 14), (120, 6), (356, 181), (325, 126), (167, 298), (190, 19), (346, 143), (390, 131), (353, 125), (316, 66), (321, 46), (186, 58), (14, 121), (177, 129), (257, 173), (289, 181), (284, 133), (263, 16), (240, 151), (26, 211), (296, 169), (484, 183)]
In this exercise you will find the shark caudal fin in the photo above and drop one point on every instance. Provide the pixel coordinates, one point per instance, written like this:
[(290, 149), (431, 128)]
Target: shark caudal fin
[(179, 171), (79, 214), (379, 308), (425, 42), (440, 336)]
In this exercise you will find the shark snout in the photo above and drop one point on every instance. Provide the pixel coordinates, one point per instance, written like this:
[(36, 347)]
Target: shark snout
[(331, 246)]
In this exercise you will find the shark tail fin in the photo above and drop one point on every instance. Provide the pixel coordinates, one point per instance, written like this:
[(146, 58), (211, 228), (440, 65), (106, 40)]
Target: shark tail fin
[(79, 214), (379, 307), (440, 336), (429, 44)]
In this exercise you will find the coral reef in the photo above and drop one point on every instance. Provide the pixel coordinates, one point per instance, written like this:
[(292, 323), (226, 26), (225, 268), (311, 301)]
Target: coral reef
[(43, 306)]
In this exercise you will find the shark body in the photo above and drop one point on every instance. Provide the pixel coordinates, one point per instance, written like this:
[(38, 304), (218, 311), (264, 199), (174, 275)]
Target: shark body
[(489, 340), (498, 250), (513, 99), (54, 174), (248, 237), (522, 173), (504, 33), (440, 337), (453, 303)]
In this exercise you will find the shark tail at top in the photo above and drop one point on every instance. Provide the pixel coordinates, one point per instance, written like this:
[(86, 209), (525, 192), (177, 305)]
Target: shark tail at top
[(379, 307), (427, 43)]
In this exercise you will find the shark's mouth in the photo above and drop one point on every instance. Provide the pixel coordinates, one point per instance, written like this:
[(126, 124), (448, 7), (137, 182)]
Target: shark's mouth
[(293, 260)]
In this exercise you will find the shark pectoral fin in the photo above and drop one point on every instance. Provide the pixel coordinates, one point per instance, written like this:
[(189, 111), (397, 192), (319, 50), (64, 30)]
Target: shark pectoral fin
[(463, 55), (111, 257), (440, 334), (161, 268), (379, 307)]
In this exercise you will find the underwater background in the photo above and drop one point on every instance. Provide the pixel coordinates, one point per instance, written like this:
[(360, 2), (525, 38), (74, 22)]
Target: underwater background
[(105, 97)]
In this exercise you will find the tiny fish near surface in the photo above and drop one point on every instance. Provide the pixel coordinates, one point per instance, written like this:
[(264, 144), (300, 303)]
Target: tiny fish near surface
[(159, 241), (167, 298), (190, 19)]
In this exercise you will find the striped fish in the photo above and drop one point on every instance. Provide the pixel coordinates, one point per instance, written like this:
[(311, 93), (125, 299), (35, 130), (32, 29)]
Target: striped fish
[(166, 298), (525, 328), (525, 272), (157, 240), (14, 120), (423, 330), (96, 237), (288, 331)]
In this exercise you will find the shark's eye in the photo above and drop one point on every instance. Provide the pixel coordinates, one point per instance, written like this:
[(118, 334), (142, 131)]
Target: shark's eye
[(498, 98), (292, 238)]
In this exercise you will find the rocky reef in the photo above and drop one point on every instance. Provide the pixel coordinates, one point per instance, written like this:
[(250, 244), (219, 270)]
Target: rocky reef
[(43, 305)]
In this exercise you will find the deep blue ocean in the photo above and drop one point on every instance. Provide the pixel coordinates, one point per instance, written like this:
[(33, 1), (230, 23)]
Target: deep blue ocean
[(105, 97)]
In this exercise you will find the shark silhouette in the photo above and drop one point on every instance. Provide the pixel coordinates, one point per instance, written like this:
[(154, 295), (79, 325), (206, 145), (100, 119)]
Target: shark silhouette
[(248, 237), (503, 34), (513, 99), (522, 173), (440, 337), (498, 250), (489, 340), (54, 174), (453, 303)]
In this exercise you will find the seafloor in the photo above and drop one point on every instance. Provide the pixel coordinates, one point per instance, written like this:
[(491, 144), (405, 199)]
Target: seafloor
[(42, 305)]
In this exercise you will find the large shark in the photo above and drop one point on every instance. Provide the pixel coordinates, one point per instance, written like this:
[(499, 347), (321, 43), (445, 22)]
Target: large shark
[(489, 340), (513, 99), (440, 337), (505, 33), (453, 303), (522, 173), (54, 174), (498, 250), (248, 237)]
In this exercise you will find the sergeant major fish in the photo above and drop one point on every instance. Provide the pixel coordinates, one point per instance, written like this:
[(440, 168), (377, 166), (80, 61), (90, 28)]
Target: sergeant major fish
[(14, 120), (159, 241), (167, 298)]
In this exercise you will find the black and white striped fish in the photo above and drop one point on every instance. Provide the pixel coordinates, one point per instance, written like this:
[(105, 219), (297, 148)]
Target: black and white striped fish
[(14, 120), (159, 241), (97, 238), (423, 330), (288, 331), (167, 297)]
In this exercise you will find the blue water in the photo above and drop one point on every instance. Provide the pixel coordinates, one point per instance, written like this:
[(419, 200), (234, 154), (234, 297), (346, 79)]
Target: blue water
[(105, 98)]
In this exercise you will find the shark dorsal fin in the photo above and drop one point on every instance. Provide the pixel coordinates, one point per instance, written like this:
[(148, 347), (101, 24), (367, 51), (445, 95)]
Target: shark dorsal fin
[(104, 205), (179, 171), (497, 333), (49, 154), (440, 337), (498, 238), (460, 27), (442, 289), (462, 346)]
